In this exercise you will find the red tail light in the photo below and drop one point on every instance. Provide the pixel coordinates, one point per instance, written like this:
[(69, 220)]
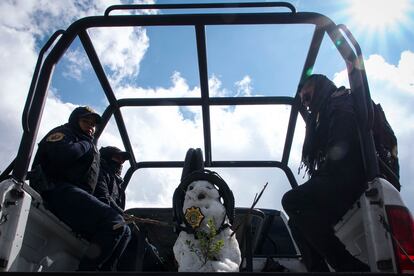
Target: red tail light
[(402, 228)]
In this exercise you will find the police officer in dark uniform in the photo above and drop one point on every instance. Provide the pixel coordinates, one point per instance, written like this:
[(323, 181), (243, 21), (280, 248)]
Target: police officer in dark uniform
[(333, 159), (69, 162), (109, 187), (110, 191)]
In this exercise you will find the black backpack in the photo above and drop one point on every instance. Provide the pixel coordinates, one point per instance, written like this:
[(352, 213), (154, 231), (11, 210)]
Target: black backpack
[(386, 147)]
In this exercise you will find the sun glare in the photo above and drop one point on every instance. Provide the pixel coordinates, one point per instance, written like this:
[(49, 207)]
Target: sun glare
[(378, 14)]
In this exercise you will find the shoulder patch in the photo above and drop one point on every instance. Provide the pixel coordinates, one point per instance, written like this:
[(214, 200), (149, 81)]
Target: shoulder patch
[(55, 137)]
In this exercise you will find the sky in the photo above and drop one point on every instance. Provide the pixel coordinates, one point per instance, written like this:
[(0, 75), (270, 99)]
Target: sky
[(242, 61)]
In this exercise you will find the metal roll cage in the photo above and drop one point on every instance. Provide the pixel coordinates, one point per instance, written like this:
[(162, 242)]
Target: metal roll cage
[(61, 40)]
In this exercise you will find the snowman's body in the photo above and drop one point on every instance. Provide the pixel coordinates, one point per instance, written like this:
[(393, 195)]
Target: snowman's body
[(202, 203)]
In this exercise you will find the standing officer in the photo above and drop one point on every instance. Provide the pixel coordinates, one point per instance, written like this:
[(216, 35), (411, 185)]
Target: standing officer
[(69, 162), (332, 157)]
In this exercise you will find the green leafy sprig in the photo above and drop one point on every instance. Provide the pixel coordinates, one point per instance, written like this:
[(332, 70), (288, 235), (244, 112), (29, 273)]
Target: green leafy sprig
[(210, 247)]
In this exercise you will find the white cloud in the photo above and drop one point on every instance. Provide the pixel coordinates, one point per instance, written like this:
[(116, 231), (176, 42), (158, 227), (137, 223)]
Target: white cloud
[(121, 51), (42, 17), (244, 86), (179, 88), (76, 64), (215, 87), (16, 67)]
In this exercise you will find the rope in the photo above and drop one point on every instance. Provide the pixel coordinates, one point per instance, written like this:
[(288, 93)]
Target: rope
[(132, 219)]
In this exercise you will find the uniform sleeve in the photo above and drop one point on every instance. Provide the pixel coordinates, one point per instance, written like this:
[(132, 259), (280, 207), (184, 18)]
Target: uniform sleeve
[(116, 196), (64, 149), (102, 192), (122, 199), (115, 206), (101, 189)]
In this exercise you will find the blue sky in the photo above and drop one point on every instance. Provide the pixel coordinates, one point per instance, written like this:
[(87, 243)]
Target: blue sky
[(242, 60)]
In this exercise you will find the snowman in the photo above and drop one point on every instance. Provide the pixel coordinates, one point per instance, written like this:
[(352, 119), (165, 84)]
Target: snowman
[(204, 211)]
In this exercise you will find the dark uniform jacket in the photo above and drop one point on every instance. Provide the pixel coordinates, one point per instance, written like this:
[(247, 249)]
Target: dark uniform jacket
[(109, 187), (336, 136), (338, 168), (66, 155)]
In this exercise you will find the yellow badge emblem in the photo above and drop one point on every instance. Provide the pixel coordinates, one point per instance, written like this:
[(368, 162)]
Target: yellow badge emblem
[(194, 216), (55, 137)]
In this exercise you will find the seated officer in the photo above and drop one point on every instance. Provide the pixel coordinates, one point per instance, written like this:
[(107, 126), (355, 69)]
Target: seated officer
[(109, 187), (332, 156), (69, 161), (139, 254)]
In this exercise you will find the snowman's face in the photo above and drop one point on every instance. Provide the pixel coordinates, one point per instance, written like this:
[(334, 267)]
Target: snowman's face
[(205, 196)]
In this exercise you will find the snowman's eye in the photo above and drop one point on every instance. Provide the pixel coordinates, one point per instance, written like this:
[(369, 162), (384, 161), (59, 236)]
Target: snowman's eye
[(190, 188)]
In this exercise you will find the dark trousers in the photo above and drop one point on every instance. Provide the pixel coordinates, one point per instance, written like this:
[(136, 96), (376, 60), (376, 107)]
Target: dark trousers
[(313, 208), (131, 259), (140, 255), (93, 220)]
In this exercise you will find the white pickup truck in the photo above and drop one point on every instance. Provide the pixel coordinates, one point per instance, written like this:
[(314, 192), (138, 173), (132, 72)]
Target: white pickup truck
[(379, 229)]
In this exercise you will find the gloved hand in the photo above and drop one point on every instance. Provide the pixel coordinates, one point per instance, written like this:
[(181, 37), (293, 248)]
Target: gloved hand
[(128, 217)]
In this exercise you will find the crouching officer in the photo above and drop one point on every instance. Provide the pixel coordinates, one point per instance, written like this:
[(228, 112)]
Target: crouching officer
[(68, 161), (139, 254)]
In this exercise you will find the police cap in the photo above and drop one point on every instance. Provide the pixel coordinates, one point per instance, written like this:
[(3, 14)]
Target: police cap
[(84, 111), (109, 151)]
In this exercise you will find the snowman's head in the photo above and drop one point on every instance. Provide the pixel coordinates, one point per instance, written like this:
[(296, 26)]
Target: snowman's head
[(201, 195)]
